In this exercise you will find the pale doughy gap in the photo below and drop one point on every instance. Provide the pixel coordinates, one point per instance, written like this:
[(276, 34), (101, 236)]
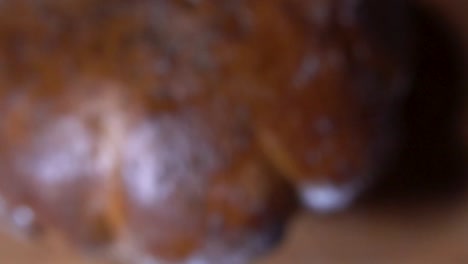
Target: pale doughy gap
[(68, 149), (307, 71), (23, 217), (61, 153), (144, 178), (329, 197)]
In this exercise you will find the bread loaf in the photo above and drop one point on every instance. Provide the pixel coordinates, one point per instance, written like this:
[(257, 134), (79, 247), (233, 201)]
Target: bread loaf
[(182, 130)]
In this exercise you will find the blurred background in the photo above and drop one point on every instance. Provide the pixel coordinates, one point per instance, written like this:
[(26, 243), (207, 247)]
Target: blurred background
[(418, 215)]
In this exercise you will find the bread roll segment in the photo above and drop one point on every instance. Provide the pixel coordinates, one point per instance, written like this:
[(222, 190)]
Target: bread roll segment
[(180, 130)]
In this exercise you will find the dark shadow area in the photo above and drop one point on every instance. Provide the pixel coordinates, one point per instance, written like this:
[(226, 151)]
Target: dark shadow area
[(431, 162)]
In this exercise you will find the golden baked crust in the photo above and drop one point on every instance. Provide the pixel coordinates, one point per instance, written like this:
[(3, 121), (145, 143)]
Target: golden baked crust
[(178, 128)]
